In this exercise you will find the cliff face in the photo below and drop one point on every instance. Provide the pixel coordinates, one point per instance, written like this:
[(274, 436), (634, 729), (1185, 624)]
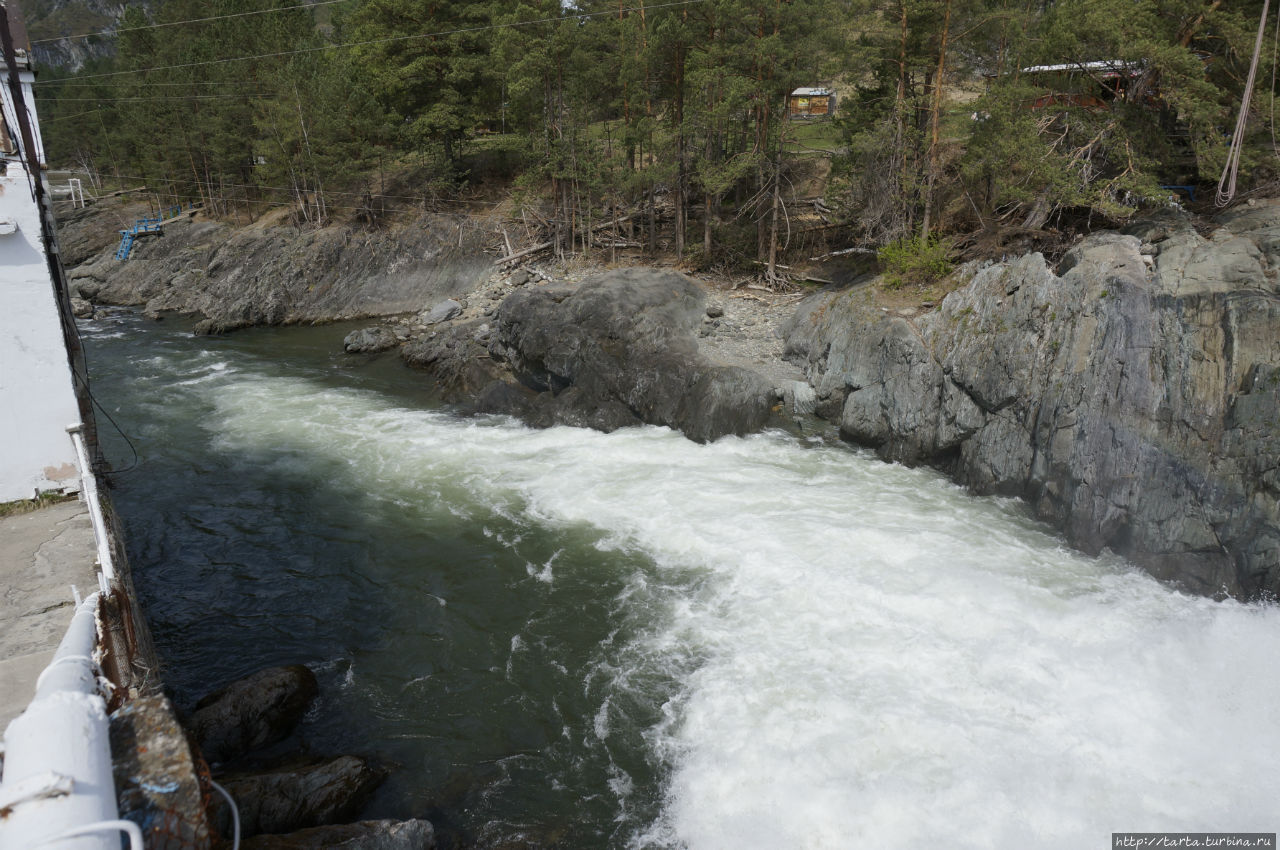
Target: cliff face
[(278, 274), (618, 349), (57, 19), (1130, 394)]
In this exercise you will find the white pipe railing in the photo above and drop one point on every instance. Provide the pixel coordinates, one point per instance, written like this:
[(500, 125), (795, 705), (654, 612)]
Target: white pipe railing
[(57, 787), (89, 483)]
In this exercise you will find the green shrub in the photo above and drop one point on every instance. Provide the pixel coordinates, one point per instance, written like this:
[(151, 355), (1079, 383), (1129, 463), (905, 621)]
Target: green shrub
[(915, 261)]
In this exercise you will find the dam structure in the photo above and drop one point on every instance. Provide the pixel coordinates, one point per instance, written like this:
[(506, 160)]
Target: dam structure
[(92, 750)]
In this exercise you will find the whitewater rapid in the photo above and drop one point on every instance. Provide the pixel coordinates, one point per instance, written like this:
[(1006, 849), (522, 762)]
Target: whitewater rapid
[(832, 652)]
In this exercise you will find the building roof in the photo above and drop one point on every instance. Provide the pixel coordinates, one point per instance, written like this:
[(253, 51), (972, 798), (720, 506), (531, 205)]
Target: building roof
[(812, 92), (1105, 67)]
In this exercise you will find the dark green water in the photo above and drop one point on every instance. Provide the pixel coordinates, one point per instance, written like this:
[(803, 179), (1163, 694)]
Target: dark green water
[(569, 639), (438, 647)]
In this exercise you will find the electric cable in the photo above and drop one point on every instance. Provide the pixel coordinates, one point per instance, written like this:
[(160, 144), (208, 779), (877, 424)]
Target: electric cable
[(180, 23), (183, 97), (210, 184), (1231, 170), (65, 117), (70, 82), (387, 40), (84, 382), (235, 814)]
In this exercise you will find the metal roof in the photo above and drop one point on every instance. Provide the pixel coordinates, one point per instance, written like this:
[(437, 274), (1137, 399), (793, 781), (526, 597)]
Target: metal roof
[(1113, 66), (811, 92)]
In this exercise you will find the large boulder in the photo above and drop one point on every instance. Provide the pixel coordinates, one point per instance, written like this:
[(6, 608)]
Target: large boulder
[(252, 712), (305, 794), (365, 835), (442, 312), (1130, 394), (619, 349)]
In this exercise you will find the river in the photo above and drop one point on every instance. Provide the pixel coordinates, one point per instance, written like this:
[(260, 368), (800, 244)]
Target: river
[(570, 639)]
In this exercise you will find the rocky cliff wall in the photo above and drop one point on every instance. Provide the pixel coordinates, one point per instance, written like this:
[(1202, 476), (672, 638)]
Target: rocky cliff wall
[(1130, 394), (617, 349)]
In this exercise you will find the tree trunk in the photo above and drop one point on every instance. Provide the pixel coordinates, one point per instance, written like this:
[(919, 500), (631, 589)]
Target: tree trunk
[(681, 178), (935, 122), (773, 215), (1040, 211), (707, 212)]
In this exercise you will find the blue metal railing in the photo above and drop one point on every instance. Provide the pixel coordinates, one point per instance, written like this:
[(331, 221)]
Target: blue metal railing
[(142, 225)]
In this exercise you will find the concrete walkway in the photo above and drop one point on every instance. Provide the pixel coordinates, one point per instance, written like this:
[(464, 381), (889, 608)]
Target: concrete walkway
[(42, 554)]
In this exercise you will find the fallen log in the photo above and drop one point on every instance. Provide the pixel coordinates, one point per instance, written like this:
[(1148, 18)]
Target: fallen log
[(842, 253), (541, 246)]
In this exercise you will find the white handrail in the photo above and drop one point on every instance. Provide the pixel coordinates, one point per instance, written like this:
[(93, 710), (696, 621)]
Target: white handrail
[(90, 484)]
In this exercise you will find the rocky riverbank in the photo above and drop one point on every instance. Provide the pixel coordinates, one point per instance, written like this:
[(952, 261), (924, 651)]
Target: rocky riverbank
[(269, 273), (1128, 392)]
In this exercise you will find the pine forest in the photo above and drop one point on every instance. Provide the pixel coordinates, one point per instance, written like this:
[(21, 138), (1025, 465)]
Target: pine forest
[(728, 133)]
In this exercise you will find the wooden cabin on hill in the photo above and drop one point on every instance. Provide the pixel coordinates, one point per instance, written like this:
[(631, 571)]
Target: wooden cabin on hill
[(807, 103)]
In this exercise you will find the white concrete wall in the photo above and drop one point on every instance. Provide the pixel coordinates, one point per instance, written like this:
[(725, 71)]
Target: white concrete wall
[(37, 397)]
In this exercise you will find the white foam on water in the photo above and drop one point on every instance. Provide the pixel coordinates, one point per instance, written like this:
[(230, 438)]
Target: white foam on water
[(883, 661)]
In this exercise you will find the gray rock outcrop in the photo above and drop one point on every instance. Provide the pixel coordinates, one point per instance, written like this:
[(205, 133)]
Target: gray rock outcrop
[(618, 349), (252, 712), (1131, 395), (271, 274), (442, 312)]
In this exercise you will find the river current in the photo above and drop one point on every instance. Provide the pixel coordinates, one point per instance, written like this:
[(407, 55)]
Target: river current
[(569, 639)]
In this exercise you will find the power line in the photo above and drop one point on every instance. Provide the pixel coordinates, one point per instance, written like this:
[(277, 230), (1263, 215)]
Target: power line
[(210, 184), (187, 97), (180, 23), (211, 197), (65, 117), (70, 82), (388, 39), (325, 192)]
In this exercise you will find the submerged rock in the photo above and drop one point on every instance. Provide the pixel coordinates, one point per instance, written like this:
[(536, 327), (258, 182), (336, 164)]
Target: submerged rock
[(305, 794), (369, 340), (214, 327), (1134, 405), (252, 712), (364, 835)]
